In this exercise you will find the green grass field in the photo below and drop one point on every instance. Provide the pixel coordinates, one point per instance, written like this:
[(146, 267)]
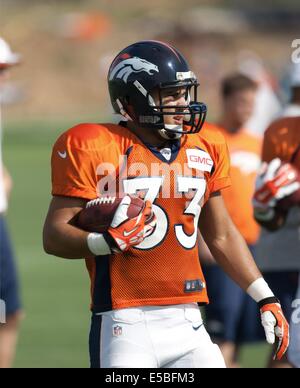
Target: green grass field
[(55, 292)]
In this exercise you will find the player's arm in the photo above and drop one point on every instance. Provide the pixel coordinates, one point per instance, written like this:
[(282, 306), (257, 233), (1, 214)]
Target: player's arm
[(231, 252), (73, 184), (206, 258), (75, 161), (60, 237), (226, 244)]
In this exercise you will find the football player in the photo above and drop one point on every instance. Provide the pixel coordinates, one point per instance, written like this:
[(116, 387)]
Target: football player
[(231, 314), (9, 292), (279, 246), (145, 297)]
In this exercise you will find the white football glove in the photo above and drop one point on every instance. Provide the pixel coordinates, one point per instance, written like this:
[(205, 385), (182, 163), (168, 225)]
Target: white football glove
[(128, 232), (274, 182), (275, 325)]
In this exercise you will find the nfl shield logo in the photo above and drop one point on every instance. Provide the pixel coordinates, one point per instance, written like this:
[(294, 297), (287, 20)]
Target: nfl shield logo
[(117, 331)]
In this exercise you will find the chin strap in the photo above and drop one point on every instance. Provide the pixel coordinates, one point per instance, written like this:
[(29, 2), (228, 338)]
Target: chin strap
[(166, 133), (169, 136)]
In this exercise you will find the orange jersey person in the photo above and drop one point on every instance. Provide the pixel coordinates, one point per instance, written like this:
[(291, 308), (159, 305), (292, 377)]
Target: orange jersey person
[(278, 249), (244, 150), (277, 181), (145, 296), (164, 269)]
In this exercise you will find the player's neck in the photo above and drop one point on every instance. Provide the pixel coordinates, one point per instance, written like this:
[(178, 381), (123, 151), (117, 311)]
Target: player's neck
[(148, 136)]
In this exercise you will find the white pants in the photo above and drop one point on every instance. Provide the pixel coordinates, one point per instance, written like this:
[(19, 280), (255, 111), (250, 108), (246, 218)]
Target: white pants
[(157, 337), (294, 349)]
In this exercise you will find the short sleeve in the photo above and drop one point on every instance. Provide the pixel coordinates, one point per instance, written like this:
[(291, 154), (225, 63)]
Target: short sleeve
[(220, 176), (74, 169)]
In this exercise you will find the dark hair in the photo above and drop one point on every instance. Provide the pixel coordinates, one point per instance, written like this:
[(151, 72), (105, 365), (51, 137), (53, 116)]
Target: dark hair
[(237, 83)]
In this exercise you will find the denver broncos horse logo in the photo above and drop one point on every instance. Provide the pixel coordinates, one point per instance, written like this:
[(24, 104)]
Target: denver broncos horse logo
[(132, 65)]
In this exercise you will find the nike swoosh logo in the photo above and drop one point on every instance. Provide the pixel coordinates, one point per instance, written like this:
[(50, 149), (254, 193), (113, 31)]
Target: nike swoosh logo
[(198, 327), (63, 155), (126, 234)]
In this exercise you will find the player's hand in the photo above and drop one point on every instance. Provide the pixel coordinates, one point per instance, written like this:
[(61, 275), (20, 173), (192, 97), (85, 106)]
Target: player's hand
[(274, 182), (128, 232), (275, 325)]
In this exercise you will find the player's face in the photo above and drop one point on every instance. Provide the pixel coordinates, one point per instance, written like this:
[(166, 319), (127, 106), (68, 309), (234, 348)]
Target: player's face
[(240, 106), (173, 98)]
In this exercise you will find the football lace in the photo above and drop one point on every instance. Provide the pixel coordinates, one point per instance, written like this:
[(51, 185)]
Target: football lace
[(101, 201)]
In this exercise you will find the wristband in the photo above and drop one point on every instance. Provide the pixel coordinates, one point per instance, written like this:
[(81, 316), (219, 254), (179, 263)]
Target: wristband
[(266, 301), (260, 290), (98, 245)]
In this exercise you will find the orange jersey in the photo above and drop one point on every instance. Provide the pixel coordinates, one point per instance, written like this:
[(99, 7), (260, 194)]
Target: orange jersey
[(282, 140), (245, 151), (90, 160)]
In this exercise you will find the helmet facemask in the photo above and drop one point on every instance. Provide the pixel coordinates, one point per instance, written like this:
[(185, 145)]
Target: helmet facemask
[(156, 112), (192, 113)]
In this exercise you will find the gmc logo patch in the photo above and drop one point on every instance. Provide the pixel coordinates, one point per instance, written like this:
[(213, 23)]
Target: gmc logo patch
[(199, 160)]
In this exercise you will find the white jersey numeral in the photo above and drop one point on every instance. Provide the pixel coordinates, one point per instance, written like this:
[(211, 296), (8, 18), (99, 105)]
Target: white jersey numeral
[(151, 187), (185, 184)]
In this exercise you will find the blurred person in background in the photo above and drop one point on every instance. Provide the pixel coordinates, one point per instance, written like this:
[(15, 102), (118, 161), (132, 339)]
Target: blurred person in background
[(294, 110), (232, 314), (9, 290), (267, 106), (278, 249)]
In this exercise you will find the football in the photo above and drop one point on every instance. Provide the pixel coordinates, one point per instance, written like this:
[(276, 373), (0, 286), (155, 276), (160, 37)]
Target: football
[(99, 213), (293, 199)]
